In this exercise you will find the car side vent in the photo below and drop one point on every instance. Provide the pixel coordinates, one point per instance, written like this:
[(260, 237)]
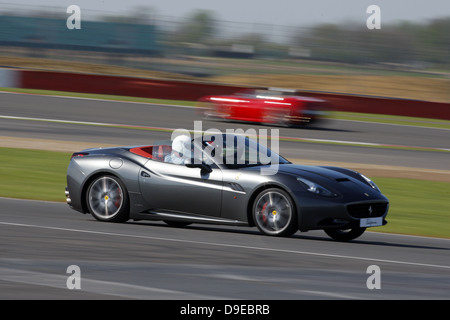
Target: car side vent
[(342, 179), (236, 187)]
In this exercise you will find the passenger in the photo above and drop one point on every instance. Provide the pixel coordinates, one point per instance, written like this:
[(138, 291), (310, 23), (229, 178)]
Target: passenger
[(181, 151)]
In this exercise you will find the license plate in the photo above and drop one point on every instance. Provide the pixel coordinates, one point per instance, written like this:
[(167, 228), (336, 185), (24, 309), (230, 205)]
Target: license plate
[(370, 222)]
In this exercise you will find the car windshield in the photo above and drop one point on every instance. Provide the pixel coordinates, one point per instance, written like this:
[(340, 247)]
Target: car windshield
[(266, 93), (236, 151)]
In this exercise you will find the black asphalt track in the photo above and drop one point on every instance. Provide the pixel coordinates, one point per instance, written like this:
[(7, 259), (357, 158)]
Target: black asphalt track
[(148, 260)]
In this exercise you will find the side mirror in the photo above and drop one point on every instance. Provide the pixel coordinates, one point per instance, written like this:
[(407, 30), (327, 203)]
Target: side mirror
[(203, 166)]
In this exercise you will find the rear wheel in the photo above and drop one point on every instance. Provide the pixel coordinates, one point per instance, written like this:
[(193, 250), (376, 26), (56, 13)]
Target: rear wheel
[(341, 234), (107, 199), (274, 213)]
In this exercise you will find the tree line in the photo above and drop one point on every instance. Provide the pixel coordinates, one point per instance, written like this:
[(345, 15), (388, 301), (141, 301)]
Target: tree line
[(419, 44)]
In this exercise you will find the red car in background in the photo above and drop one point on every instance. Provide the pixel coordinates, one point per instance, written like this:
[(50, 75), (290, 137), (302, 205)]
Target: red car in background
[(266, 106)]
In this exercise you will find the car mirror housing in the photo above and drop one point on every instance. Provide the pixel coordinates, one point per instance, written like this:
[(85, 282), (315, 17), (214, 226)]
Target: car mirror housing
[(203, 166)]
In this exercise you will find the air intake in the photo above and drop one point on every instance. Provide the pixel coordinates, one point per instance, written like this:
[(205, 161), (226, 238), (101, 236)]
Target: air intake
[(367, 210), (236, 187)]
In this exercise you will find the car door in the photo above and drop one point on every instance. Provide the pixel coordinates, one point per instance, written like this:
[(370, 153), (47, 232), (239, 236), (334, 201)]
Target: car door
[(177, 188)]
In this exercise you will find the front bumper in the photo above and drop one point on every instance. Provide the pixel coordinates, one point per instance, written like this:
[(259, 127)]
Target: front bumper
[(334, 213)]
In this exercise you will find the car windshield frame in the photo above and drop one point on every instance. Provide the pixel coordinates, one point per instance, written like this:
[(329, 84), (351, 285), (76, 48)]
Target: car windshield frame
[(235, 152)]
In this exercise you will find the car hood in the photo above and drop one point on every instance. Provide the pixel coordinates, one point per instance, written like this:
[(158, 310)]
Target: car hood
[(311, 171), (342, 180), (339, 180), (302, 171)]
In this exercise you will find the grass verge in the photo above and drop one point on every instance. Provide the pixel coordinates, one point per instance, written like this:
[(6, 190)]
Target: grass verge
[(33, 174), (392, 119), (99, 96), (417, 207)]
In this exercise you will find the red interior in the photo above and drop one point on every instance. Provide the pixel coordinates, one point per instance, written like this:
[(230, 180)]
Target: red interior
[(152, 152)]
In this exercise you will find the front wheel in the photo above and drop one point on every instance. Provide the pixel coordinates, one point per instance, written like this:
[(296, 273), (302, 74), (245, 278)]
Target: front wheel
[(341, 234), (107, 199), (274, 213)]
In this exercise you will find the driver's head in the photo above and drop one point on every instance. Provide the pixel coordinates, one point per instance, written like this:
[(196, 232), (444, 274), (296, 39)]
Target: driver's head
[(182, 145)]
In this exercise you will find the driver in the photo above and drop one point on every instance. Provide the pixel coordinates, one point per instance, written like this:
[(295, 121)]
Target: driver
[(181, 150)]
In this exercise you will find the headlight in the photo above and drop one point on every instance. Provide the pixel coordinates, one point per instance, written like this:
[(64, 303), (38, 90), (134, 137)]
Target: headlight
[(370, 182), (316, 188)]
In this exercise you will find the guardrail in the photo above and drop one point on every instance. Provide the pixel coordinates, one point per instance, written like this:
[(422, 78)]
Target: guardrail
[(192, 91)]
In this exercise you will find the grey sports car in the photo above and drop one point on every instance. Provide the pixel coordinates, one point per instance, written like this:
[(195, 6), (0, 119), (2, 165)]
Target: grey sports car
[(222, 179)]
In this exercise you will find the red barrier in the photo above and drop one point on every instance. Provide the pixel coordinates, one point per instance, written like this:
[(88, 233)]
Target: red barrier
[(192, 91), (384, 105), (122, 86)]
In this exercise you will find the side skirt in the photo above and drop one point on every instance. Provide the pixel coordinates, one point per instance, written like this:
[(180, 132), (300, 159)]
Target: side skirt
[(177, 216)]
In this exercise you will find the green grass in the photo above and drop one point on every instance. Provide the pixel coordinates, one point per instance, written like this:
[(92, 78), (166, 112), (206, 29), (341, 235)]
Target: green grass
[(98, 96), (392, 119), (417, 207), (33, 174)]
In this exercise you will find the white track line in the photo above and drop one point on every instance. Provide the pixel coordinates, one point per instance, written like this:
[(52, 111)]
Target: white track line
[(293, 139), (317, 254)]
